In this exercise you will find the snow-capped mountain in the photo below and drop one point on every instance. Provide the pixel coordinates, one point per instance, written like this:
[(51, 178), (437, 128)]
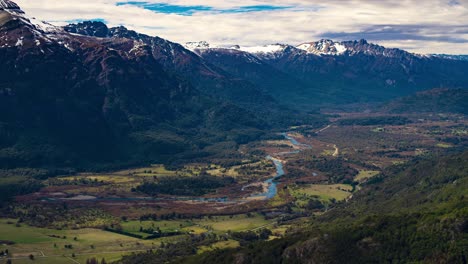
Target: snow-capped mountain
[(108, 94), (10, 6), (323, 47), (202, 46), (266, 49), (12, 14), (197, 45), (329, 47), (338, 69), (237, 72)]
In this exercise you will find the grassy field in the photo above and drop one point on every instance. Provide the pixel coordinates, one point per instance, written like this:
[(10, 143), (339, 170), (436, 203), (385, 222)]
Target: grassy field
[(234, 223), (48, 245), (220, 224), (328, 152), (11, 179), (131, 175), (323, 192), (164, 226), (153, 170), (79, 258), (444, 145), (364, 174), (219, 171), (263, 167), (219, 245), (106, 178)]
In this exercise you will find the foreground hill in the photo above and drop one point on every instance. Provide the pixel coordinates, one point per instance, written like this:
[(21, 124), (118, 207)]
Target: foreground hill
[(406, 215)]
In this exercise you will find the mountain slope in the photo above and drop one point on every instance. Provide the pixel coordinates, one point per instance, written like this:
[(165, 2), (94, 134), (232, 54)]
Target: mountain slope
[(207, 78), (432, 101), (248, 66), (82, 101)]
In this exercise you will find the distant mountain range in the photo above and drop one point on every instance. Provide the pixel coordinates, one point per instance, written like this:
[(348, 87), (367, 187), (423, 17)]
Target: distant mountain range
[(451, 57), (335, 72), (86, 93)]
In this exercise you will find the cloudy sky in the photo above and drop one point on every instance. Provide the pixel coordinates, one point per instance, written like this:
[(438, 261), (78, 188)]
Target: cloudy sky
[(430, 26)]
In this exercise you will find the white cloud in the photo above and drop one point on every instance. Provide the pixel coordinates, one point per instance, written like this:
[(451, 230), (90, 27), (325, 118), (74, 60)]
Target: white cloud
[(301, 23)]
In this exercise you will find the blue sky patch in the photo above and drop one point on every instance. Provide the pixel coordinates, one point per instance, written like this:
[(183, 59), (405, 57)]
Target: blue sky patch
[(74, 21), (190, 10), (168, 8), (255, 8), (454, 3)]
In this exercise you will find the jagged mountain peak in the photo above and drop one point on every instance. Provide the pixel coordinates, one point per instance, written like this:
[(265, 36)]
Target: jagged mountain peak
[(10, 5), (23, 32), (323, 47), (261, 49), (13, 16), (328, 47), (194, 45), (89, 28), (101, 30)]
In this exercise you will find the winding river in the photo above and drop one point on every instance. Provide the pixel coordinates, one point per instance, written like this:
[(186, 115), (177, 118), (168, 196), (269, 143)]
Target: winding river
[(272, 188), (272, 185), (270, 192)]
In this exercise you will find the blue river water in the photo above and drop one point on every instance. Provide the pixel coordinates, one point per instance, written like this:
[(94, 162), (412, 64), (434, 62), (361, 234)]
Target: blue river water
[(291, 139), (272, 185)]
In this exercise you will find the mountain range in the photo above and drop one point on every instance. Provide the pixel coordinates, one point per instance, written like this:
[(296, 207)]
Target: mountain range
[(69, 99), (336, 72), (86, 93)]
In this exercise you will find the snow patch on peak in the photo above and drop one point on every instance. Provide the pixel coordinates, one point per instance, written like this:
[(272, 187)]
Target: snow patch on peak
[(272, 48), (340, 48), (19, 42), (304, 46), (323, 47), (192, 46), (266, 49), (44, 26)]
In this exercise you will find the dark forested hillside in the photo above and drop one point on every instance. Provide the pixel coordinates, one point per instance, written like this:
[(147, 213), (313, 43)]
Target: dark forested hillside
[(174, 58), (80, 101), (432, 101)]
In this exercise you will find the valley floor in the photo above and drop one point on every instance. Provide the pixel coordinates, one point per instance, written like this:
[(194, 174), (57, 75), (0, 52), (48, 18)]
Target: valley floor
[(107, 215)]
